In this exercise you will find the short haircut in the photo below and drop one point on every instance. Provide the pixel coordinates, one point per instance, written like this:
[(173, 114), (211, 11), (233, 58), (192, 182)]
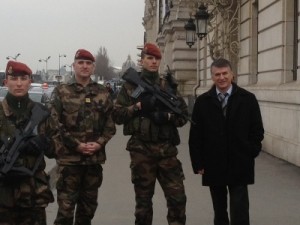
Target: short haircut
[(221, 62)]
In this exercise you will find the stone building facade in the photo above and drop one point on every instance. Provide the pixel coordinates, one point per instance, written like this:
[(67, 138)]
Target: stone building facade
[(261, 39)]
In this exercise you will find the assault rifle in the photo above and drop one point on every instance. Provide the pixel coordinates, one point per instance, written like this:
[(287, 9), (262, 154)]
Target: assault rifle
[(168, 99), (9, 155)]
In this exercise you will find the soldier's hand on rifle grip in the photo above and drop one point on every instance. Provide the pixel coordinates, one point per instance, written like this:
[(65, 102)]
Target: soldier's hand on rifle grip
[(36, 145), (136, 107)]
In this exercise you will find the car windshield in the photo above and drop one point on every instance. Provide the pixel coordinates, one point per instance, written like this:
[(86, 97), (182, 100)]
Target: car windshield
[(47, 91), (35, 96), (38, 97)]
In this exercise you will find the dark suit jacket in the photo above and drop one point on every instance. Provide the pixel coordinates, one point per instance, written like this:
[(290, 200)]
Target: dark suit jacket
[(226, 147)]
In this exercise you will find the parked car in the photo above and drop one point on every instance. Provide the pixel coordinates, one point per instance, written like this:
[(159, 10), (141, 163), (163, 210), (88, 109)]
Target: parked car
[(2, 77), (3, 92), (39, 96), (47, 90)]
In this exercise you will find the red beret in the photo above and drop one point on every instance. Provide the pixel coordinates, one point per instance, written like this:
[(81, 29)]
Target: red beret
[(84, 54), (151, 49), (15, 68)]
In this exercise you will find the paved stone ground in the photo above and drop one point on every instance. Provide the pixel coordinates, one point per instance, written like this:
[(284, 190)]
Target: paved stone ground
[(274, 199)]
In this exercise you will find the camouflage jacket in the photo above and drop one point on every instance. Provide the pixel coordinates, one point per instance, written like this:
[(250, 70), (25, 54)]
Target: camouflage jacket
[(82, 114), (23, 191), (146, 136)]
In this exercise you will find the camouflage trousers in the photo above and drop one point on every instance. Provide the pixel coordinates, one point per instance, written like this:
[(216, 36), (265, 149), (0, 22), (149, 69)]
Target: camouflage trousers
[(78, 186), (22, 216), (168, 171)]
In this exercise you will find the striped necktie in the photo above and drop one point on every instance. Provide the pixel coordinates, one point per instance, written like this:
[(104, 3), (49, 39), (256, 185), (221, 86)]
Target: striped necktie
[(222, 98)]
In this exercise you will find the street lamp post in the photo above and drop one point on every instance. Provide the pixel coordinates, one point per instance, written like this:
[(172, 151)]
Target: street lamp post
[(14, 58), (71, 67), (201, 18), (201, 21), (46, 61), (60, 55)]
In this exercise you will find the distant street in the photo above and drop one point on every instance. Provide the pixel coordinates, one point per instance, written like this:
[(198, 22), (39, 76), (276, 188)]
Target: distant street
[(274, 199)]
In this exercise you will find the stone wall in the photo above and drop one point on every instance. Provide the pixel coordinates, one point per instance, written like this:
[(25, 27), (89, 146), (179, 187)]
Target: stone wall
[(267, 71)]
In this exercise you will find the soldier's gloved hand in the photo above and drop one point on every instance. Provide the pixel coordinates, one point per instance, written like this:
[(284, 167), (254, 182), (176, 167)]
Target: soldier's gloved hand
[(148, 103), (160, 117), (36, 145)]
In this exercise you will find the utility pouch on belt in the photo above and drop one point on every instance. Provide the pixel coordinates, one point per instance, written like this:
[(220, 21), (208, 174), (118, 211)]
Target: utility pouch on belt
[(145, 133), (148, 131), (132, 126), (154, 132)]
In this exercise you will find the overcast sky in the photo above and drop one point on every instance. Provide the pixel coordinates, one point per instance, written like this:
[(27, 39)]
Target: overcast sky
[(40, 28)]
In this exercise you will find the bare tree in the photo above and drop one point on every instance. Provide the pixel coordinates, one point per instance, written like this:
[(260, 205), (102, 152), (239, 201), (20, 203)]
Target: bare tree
[(103, 68)]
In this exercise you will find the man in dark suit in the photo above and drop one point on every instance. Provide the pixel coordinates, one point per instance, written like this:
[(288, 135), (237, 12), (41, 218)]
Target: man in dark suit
[(224, 141)]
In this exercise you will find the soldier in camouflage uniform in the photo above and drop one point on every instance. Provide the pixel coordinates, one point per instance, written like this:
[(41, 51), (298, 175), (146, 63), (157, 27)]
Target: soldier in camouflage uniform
[(23, 197), (82, 110), (153, 141)]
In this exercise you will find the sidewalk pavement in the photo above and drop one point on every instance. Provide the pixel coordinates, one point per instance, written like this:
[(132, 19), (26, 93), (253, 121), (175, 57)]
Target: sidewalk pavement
[(274, 198)]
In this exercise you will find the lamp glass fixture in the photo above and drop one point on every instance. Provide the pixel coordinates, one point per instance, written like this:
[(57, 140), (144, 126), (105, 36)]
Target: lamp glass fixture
[(190, 29), (201, 21)]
